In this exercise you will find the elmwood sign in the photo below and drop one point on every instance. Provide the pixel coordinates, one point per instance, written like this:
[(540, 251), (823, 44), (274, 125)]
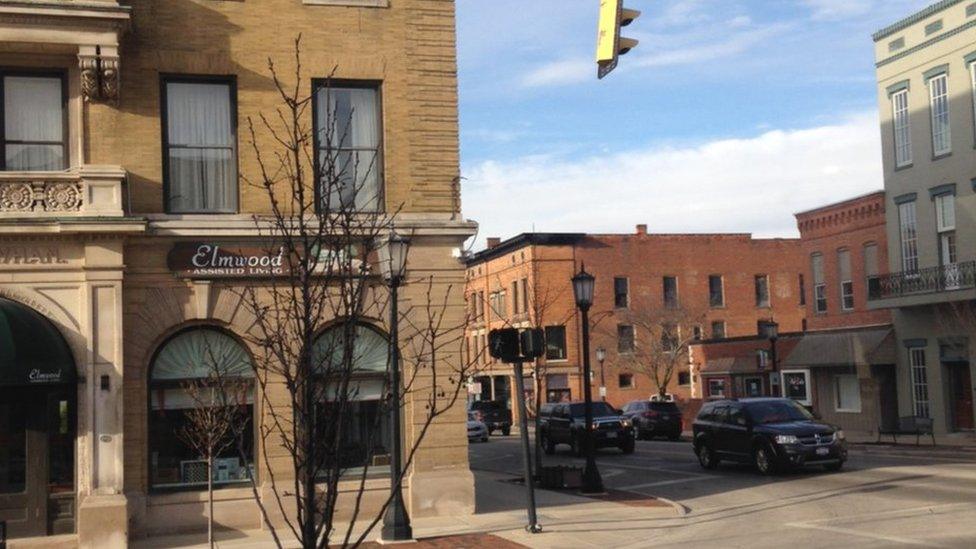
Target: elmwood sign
[(215, 260)]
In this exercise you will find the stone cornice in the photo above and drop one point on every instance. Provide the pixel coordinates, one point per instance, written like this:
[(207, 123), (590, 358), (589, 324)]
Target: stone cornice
[(914, 18)]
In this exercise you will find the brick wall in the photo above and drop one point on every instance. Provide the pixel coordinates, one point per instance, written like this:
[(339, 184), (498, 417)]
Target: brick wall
[(409, 47), (847, 225)]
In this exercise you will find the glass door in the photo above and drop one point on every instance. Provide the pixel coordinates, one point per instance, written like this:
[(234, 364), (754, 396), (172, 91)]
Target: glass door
[(23, 463)]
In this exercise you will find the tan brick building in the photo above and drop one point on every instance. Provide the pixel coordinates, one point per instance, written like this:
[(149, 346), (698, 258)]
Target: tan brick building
[(125, 139)]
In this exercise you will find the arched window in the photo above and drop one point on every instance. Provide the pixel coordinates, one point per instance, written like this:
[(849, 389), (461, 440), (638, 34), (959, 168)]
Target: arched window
[(365, 428), (199, 357)]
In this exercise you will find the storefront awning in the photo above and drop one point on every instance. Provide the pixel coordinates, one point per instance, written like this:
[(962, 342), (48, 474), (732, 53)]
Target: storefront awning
[(730, 365), (844, 349), (32, 351)]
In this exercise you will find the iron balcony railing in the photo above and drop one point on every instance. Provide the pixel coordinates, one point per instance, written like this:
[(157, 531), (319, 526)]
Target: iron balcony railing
[(956, 276)]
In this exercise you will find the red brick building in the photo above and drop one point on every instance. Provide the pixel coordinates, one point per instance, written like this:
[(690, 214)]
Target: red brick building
[(715, 286)]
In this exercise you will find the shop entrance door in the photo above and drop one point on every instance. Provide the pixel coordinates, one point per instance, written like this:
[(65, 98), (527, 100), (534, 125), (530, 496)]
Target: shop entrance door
[(961, 395), (37, 492), (23, 451)]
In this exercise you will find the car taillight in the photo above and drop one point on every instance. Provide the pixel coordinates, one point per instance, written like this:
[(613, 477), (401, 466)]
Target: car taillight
[(651, 413)]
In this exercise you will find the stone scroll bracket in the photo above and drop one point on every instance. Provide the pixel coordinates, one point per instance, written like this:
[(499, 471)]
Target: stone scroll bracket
[(99, 73)]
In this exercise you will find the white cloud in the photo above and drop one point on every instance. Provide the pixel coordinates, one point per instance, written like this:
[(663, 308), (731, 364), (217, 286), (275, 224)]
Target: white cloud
[(731, 185), (838, 9), (663, 50), (558, 73)]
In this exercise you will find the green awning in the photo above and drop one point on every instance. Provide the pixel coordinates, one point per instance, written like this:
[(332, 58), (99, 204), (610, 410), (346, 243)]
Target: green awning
[(32, 351)]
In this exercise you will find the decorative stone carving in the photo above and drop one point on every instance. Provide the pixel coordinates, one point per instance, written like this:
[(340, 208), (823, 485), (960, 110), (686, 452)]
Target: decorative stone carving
[(99, 74), (40, 196), (62, 197), (16, 197), (89, 77), (109, 79)]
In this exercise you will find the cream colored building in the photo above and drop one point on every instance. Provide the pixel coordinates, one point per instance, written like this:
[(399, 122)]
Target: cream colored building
[(123, 142), (926, 70)]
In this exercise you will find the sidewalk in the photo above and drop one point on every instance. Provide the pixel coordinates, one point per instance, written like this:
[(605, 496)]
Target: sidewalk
[(568, 520)]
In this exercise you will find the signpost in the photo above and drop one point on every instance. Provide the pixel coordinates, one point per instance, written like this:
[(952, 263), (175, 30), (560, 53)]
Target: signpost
[(513, 347)]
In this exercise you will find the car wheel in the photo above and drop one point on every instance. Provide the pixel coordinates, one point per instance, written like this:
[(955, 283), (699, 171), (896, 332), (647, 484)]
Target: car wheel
[(548, 446), (628, 446), (706, 456), (834, 467), (506, 431), (765, 460), (484, 438)]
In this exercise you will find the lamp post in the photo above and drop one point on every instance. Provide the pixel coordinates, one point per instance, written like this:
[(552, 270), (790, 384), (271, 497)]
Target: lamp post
[(770, 330), (583, 284), (601, 355), (393, 263)]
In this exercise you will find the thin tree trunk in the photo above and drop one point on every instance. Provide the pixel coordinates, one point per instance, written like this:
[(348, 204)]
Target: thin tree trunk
[(210, 511)]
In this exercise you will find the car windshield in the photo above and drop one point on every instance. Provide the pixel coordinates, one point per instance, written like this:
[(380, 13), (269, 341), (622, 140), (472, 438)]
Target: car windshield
[(777, 411), (599, 409)]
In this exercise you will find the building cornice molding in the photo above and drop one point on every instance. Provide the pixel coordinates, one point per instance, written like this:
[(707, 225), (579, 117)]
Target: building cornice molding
[(926, 44), (914, 18)]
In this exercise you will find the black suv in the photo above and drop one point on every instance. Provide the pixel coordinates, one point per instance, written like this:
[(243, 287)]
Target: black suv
[(653, 419), (494, 414), (565, 423), (771, 433)]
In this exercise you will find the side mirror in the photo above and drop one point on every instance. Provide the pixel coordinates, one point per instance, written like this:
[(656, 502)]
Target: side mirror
[(742, 421)]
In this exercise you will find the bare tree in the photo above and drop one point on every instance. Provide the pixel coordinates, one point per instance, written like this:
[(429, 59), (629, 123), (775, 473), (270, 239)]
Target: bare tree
[(662, 338), (216, 420), (321, 365)]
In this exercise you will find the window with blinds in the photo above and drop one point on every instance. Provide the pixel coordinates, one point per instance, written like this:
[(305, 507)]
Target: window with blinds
[(939, 106), (819, 285), (846, 280), (903, 136), (909, 236)]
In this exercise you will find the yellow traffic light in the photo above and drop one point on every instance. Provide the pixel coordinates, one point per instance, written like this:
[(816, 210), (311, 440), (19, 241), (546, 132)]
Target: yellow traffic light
[(610, 45)]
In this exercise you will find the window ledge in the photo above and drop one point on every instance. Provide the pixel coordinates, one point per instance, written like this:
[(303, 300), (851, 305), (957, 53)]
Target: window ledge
[(936, 157), (349, 3), (848, 411)]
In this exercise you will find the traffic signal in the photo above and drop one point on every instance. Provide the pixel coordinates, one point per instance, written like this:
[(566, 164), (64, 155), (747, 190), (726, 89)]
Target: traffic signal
[(504, 344), (610, 45)]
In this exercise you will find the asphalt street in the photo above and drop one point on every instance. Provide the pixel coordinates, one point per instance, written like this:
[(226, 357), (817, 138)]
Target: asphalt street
[(884, 497)]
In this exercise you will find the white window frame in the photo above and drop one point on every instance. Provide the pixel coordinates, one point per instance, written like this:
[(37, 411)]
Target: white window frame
[(807, 399), (901, 120), (939, 111), (837, 400), (921, 404), (908, 232), (972, 78)]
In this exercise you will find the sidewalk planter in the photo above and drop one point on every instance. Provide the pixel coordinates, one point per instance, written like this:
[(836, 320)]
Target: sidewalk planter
[(561, 477)]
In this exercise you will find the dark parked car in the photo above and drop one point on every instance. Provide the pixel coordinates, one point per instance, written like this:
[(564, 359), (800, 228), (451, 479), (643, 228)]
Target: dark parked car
[(494, 414), (565, 423), (771, 433), (653, 419)]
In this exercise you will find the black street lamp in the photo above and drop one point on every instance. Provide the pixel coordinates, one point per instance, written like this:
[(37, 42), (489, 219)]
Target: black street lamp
[(770, 330), (601, 355), (393, 265), (583, 284)]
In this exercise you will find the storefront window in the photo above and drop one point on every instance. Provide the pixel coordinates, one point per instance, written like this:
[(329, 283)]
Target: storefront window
[(364, 428), (192, 359)]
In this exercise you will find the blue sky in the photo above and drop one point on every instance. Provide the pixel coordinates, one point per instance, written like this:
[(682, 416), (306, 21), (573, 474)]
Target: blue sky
[(731, 115)]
